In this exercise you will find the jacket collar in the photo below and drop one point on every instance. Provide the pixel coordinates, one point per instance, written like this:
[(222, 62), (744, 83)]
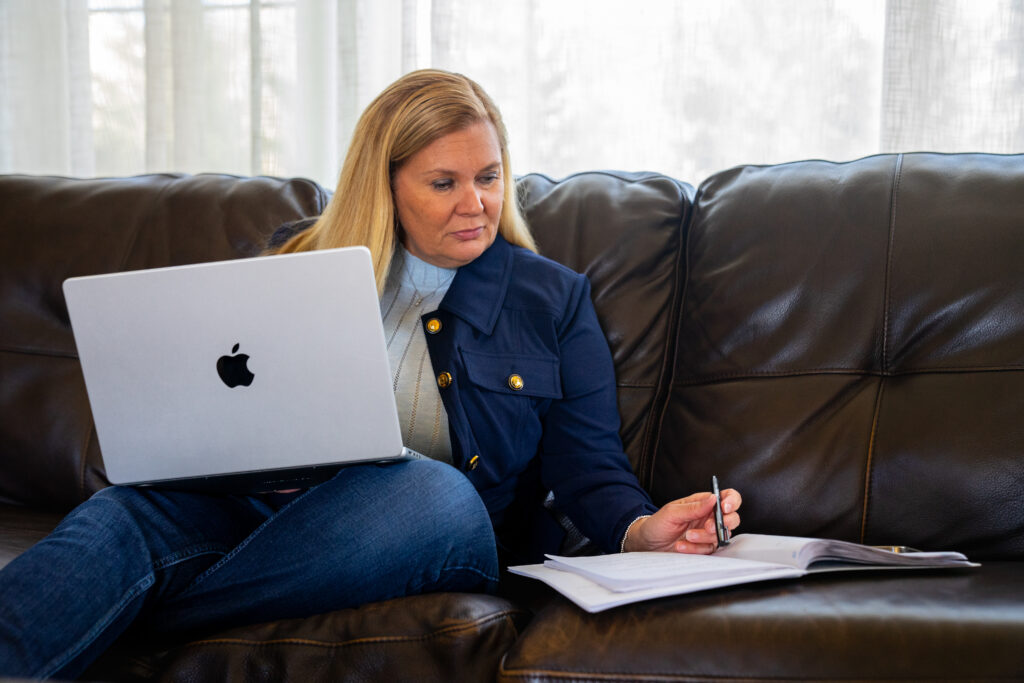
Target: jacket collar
[(478, 290)]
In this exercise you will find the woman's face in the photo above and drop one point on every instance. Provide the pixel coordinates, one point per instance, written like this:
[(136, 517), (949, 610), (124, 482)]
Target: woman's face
[(449, 196)]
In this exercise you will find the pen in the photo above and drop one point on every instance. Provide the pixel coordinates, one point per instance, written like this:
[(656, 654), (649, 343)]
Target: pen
[(720, 528)]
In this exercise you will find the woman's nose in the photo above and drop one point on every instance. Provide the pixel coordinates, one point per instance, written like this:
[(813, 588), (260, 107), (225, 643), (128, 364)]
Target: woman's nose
[(470, 203)]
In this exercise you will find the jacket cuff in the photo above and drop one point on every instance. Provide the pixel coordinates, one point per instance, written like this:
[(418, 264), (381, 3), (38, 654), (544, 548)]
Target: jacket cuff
[(622, 545)]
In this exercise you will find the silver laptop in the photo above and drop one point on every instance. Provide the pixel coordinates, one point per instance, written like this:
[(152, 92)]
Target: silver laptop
[(247, 375)]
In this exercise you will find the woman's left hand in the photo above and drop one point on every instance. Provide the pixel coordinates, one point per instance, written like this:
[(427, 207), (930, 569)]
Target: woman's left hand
[(686, 525)]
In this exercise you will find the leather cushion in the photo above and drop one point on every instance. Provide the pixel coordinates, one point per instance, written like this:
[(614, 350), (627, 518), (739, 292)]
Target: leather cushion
[(436, 637), (851, 350), (891, 625)]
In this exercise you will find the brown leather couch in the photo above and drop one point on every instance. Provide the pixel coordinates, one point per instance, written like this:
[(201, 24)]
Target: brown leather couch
[(844, 343)]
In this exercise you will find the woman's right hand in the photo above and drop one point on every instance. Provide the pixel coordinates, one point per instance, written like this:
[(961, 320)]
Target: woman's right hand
[(686, 525)]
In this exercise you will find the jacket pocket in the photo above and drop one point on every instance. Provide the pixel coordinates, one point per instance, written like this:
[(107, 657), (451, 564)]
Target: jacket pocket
[(514, 375)]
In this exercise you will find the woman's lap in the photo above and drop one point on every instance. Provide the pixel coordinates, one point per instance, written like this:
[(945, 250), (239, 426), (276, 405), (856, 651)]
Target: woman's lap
[(371, 533)]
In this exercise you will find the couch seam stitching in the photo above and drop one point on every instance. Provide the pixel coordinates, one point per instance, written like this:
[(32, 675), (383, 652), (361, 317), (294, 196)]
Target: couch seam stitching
[(870, 459), (886, 313), (504, 616), (652, 439), (887, 304)]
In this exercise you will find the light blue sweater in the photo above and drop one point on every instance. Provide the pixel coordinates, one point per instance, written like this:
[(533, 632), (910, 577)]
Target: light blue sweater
[(414, 288)]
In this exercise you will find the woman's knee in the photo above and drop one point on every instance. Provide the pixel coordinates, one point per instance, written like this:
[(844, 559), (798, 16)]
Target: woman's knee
[(435, 499), (454, 505), (446, 491), (438, 477), (449, 530)]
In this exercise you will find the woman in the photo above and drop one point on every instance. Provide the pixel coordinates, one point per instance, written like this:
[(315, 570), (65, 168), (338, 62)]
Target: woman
[(502, 377)]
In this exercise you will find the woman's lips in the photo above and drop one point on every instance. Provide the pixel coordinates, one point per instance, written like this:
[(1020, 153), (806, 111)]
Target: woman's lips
[(466, 235)]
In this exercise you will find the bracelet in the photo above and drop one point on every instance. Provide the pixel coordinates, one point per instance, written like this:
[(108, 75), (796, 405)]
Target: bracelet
[(622, 546)]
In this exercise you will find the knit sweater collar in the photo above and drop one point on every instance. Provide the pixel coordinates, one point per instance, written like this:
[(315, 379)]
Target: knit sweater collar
[(419, 274)]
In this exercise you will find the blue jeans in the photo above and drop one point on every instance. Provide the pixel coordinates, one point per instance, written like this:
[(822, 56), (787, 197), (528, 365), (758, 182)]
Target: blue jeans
[(175, 562)]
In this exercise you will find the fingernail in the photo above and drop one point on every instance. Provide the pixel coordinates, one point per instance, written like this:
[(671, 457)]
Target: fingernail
[(727, 507), (692, 536)]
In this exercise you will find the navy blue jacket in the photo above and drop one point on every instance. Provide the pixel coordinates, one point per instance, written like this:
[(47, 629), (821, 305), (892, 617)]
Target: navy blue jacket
[(531, 402), (527, 380)]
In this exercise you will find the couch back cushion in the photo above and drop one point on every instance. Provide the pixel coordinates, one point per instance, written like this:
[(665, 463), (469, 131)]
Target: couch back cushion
[(852, 351), (56, 228), (625, 232)]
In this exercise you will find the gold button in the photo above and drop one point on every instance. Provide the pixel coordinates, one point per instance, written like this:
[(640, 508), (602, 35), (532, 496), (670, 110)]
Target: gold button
[(433, 326), (515, 382), (474, 461), (444, 380)]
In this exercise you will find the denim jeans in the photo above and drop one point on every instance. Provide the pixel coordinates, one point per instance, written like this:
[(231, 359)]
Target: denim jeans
[(175, 562)]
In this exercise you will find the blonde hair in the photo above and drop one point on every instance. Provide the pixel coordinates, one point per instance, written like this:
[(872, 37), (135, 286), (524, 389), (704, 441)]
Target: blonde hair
[(408, 115)]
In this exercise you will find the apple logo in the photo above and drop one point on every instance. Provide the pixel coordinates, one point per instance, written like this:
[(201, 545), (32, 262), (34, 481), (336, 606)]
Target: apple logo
[(234, 370)]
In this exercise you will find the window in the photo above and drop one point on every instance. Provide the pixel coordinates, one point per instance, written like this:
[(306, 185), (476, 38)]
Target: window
[(685, 87)]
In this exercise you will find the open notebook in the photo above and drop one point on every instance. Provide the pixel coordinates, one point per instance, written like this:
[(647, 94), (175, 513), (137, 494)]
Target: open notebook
[(600, 582)]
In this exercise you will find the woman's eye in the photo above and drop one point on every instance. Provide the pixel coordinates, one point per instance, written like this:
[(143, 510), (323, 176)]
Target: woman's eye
[(442, 185), (489, 178)]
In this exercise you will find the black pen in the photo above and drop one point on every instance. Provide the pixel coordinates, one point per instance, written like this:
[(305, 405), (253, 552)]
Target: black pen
[(720, 528)]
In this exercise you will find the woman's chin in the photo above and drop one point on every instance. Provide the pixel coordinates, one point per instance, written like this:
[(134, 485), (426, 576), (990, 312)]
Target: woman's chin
[(463, 251)]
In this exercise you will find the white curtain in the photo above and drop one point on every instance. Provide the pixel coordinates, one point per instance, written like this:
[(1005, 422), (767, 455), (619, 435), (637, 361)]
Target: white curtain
[(685, 87)]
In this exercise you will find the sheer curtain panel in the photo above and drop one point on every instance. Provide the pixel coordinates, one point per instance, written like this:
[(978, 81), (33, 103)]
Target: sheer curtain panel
[(686, 87)]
